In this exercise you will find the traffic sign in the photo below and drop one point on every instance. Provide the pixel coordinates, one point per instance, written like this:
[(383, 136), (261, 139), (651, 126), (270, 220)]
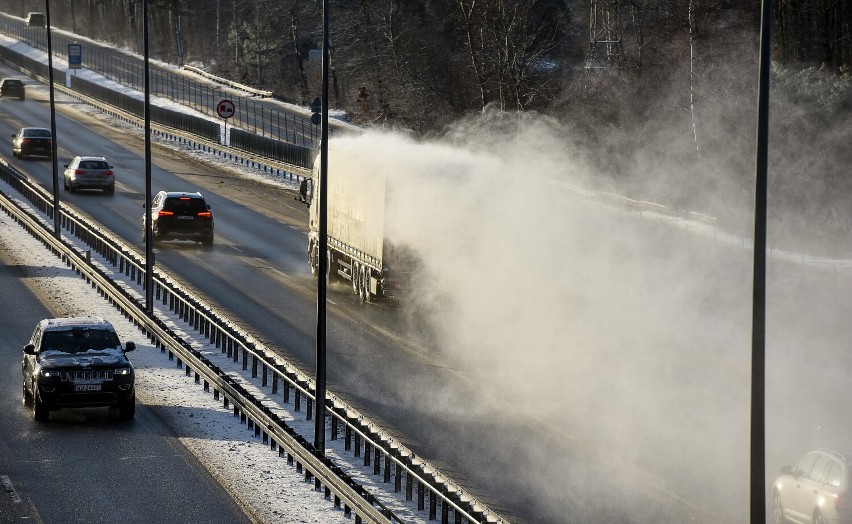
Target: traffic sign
[(226, 109), (75, 56)]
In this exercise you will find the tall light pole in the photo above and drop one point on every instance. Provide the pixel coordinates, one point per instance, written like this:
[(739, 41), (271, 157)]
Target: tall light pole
[(53, 147), (149, 228), (320, 394), (758, 326)]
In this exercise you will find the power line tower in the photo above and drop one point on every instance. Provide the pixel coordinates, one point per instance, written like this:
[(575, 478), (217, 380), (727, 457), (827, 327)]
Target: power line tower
[(606, 47)]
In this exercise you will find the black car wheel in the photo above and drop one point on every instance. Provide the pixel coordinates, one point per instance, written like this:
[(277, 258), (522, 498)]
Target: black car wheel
[(778, 509), (818, 518), (40, 411), (110, 190), (27, 398), (127, 410)]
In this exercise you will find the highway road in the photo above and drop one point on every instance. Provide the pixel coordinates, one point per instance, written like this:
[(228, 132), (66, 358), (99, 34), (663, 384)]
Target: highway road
[(86, 465), (653, 432)]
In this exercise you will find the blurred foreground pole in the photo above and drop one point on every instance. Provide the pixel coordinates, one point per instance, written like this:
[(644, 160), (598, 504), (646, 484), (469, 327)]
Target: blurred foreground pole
[(319, 401), (53, 148), (149, 227), (758, 326)]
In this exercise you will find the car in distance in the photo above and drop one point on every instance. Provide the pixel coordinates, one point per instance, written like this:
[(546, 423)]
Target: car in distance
[(815, 491), (12, 87), (32, 141), (179, 215), (89, 172), (35, 19), (77, 362)]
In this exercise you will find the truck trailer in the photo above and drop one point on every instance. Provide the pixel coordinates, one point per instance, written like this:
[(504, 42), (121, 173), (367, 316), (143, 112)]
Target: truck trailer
[(358, 251)]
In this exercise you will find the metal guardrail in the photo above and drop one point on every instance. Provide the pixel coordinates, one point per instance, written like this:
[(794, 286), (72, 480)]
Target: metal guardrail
[(390, 460), (252, 115)]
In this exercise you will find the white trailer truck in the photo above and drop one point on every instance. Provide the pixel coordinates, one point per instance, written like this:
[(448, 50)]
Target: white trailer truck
[(358, 251)]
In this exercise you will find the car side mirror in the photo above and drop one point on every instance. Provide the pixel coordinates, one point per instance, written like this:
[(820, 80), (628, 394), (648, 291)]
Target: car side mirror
[(786, 470), (66, 165), (129, 346), (29, 349)]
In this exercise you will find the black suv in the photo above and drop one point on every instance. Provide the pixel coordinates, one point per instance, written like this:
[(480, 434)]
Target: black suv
[(12, 87), (77, 362), (180, 216)]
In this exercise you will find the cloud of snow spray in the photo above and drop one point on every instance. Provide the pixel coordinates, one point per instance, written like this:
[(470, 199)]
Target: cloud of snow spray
[(591, 318)]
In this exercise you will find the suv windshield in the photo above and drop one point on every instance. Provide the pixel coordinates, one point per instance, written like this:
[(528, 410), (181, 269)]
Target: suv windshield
[(79, 340)]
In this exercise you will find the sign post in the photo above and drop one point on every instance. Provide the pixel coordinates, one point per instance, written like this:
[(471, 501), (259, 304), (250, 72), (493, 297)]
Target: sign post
[(225, 109)]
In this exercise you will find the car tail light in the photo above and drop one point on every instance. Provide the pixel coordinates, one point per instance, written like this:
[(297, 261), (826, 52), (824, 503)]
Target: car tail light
[(79, 172), (164, 213), (184, 198), (205, 214), (842, 503)]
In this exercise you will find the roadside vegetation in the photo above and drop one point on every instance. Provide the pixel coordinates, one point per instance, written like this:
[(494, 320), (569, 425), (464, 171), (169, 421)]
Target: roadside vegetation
[(673, 122)]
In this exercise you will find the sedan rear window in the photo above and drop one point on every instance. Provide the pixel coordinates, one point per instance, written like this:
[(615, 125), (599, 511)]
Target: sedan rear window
[(38, 133), (94, 164)]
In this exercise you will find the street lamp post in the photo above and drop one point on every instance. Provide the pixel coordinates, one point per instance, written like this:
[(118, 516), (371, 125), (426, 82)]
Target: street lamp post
[(319, 401), (53, 147), (758, 334)]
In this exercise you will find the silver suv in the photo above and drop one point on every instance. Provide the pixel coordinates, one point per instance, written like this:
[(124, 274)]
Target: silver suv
[(76, 363), (814, 491)]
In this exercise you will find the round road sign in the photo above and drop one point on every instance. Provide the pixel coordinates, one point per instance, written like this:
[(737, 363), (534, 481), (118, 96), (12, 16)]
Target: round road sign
[(225, 109)]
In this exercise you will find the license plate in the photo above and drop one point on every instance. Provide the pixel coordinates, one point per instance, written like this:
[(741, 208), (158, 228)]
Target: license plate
[(87, 387), (186, 217)]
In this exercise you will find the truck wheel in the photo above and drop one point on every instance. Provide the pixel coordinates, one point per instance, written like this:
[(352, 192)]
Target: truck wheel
[(312, 259), (365, 284), (355, 272), (330, 270)]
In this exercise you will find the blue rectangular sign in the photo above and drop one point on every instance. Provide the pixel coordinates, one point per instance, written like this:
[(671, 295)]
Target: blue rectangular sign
[(75, 56)]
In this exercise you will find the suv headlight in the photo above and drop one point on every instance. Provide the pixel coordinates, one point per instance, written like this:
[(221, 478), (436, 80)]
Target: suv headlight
[(121, 372), (49, 373)]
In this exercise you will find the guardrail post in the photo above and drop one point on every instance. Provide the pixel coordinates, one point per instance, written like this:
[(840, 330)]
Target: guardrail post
[(421, 496), (387, 469), (367, 450), (377, 460), (253, 365), (445, 512), (347, 438), (433, 503)]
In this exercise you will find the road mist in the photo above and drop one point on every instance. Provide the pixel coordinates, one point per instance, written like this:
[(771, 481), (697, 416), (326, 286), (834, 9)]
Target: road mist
[(612, 309)]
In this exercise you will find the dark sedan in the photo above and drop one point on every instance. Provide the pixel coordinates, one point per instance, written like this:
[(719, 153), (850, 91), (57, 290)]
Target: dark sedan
[(32, 141)]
